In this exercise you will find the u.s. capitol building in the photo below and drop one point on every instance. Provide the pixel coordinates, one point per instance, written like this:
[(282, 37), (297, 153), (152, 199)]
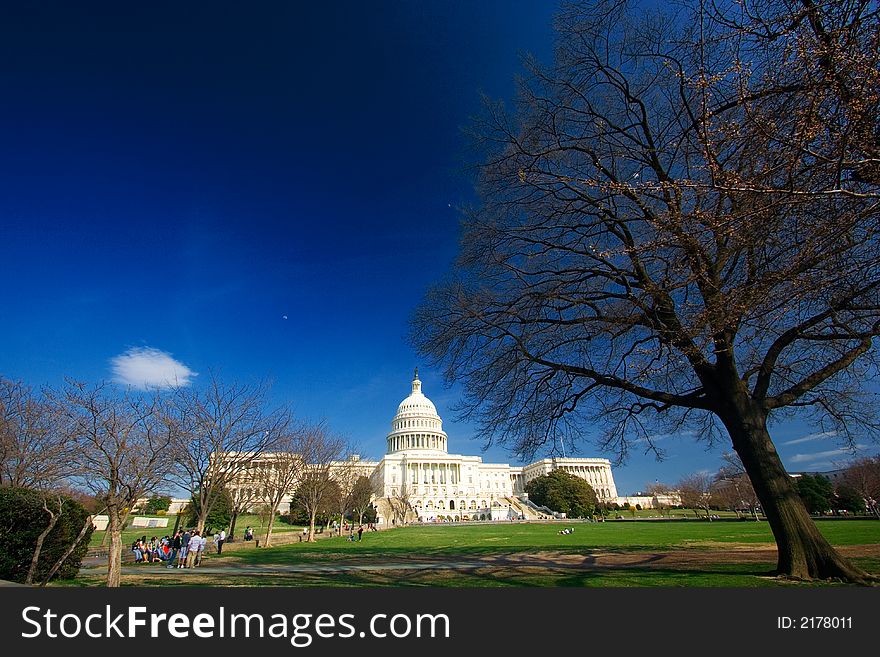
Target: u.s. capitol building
[(418, 479), (418, 466)]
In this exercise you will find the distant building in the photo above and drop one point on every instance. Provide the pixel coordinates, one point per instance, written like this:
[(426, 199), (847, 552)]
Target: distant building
[(418, 471), (658, 501), (835, 476)]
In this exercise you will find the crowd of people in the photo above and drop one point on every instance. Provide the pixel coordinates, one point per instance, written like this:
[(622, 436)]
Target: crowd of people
[(184, 549)]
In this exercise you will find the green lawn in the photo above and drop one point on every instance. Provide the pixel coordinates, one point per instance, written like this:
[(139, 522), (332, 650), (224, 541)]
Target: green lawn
[(698, 553), (478, 540)]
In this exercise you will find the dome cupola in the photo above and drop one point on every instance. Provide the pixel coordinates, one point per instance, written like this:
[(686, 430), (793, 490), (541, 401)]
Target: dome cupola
[(416, 425)]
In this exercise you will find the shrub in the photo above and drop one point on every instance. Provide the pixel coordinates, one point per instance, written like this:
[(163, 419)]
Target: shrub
[(22, 520), (563, 493)]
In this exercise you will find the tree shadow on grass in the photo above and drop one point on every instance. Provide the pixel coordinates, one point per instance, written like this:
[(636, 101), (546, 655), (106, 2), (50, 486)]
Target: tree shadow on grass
[(644, 574)]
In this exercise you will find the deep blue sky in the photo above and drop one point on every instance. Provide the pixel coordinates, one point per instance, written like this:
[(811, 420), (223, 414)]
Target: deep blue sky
[(182, 176)]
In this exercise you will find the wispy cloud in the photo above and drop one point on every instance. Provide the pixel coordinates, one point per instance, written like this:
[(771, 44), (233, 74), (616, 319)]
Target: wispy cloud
[(818, 456), (149, 368), (657, 437), (811, 437)]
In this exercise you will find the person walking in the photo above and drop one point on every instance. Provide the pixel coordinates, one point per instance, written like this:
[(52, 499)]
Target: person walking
[(203, 541), (220, 541)]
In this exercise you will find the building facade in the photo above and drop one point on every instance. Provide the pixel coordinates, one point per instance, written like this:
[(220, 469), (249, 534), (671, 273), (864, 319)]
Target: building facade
[(418, 479)]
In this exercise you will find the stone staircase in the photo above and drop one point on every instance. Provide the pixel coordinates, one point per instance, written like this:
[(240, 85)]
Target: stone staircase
[(524, 508)]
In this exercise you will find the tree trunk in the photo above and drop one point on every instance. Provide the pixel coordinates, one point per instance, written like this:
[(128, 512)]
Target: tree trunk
[(114, 558), (311, 538), (68, 551), (53, 519), (271, 524), (230, 532), (803, 553)]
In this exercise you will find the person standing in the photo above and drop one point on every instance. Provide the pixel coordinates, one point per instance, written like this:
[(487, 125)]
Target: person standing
[(184, 548), (175, 548), (201, 548), (360, 532), (220, 541), (192, 549)]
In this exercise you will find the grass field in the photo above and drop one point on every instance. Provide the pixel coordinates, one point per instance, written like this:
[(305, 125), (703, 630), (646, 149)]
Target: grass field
[(694, 553)]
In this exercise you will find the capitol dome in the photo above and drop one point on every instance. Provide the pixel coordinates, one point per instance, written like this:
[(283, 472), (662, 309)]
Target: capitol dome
[(417, 402), (416, 425)]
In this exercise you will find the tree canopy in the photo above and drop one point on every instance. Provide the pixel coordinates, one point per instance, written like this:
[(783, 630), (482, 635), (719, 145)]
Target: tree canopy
[(816, 492), (564, 493), (677, 225)]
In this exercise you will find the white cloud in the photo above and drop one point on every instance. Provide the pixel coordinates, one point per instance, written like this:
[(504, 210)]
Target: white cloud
[(146, 368), (657, 437), (806, 458), (812, 436)]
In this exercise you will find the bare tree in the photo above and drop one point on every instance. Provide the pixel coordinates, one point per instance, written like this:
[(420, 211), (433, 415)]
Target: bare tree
[(863, 476), (661, 493), (281, 471), (362, 494), (345, 474), (121, 451), (244, 493), (320, 450), (678, 226), (33, 453), (696, 491), (53, 510), (733, 487), (221, 429), (400, 503), (33, 448), (87, 524)]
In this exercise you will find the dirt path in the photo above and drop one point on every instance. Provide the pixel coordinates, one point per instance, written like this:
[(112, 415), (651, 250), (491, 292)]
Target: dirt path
[(688, 558)]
